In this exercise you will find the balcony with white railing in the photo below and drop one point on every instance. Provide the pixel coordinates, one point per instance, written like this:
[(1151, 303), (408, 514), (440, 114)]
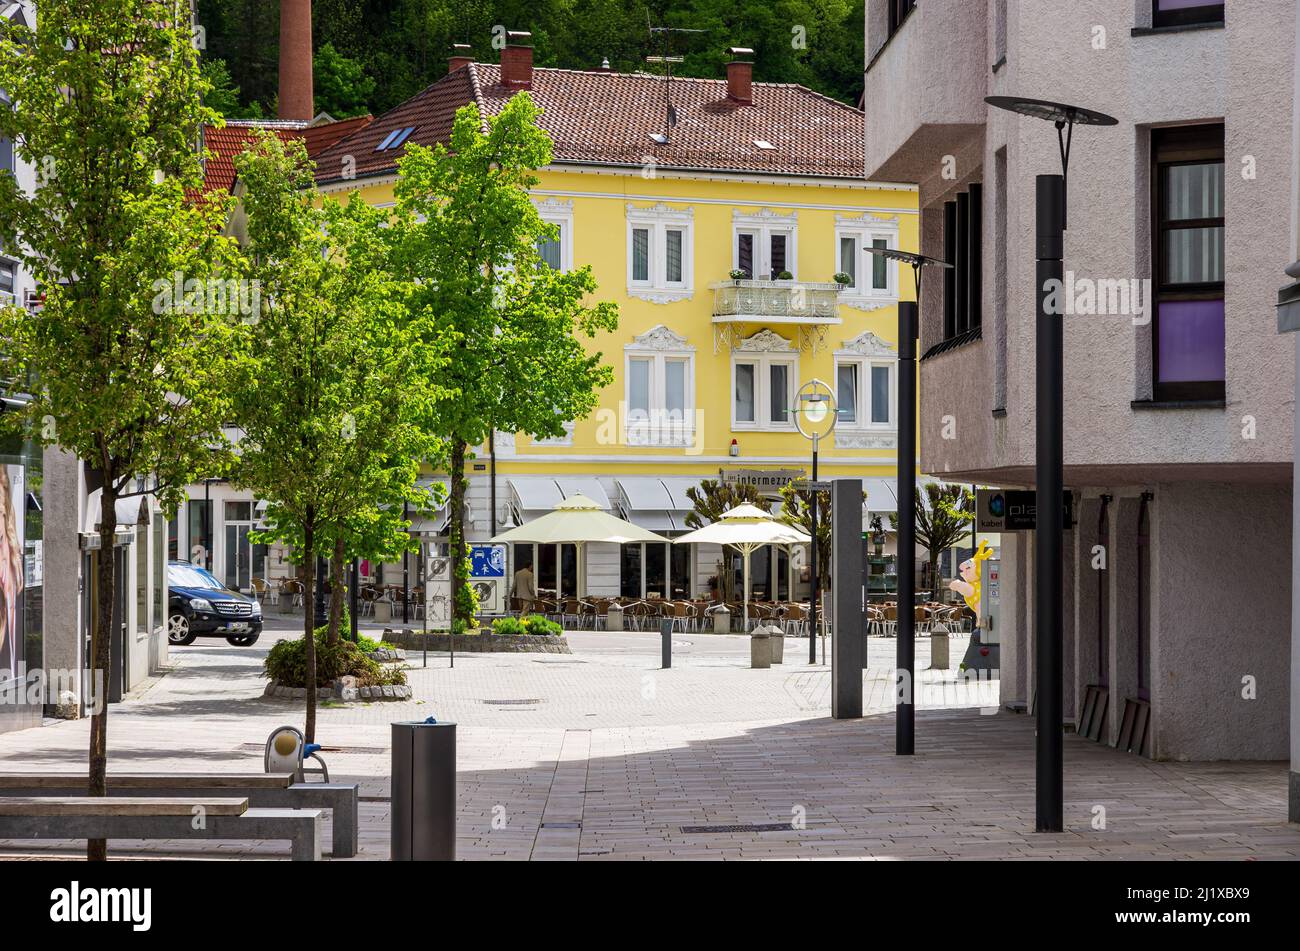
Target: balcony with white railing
[(740, 305)]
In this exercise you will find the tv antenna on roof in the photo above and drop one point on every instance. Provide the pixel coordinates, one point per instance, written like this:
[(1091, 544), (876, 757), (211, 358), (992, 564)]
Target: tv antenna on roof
[(670, 114)]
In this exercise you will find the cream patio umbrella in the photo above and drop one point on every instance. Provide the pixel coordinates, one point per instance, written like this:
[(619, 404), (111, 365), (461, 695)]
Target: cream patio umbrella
[(576, 521), (746, 527)]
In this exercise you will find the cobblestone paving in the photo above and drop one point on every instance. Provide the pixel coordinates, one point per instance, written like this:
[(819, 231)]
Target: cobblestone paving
[(621, 760)]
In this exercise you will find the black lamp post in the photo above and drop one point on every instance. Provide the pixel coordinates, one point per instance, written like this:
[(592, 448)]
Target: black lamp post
[(909, 329), (1049, 527)]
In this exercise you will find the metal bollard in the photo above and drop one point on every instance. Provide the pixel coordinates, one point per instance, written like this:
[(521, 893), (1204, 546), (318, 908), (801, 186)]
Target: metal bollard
[(776, 641), (424, 792), (666, 642), (939, 647), (760, 651)]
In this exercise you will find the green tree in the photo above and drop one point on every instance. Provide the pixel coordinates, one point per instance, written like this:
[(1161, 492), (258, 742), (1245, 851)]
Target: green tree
[(342, 87), (942, 522), (467, 233), (107, 106), (223, 94), (336, 384)]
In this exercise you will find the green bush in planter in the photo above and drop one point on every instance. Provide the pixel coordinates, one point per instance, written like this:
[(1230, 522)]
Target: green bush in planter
[(508, 626), (286, 664), (536, 624)]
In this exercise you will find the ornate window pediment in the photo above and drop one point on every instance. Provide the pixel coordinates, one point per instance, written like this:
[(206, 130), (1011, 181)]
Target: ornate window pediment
[(766, 341)]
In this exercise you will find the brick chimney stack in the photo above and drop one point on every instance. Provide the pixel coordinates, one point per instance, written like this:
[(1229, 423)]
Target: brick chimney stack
[(517, 61), (740, 75), (461, 55), (296, 99)]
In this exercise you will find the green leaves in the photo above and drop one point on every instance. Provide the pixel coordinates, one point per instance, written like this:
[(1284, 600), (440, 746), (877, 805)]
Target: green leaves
[(337, 383), (465, 242), (108, 110)]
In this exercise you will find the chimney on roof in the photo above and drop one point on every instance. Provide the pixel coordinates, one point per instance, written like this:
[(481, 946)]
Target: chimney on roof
[(517, 60), (740, 75), (461, 55), (604, 66), (295, 60)]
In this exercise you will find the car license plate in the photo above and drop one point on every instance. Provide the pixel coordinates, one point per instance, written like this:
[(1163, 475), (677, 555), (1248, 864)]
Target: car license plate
[(238, 627)]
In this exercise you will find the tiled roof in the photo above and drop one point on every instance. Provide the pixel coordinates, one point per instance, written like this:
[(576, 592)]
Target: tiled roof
[(606, 118), (223, 145), (226, 143)]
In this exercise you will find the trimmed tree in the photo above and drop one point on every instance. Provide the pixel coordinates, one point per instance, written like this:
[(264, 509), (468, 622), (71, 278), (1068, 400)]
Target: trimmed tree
[(126, 361), (710, 500), (468, 234), (942, 523), (334, 399)]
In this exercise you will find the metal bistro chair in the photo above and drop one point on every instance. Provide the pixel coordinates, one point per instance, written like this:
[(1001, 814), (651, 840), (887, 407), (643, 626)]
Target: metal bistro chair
[(571, 610)]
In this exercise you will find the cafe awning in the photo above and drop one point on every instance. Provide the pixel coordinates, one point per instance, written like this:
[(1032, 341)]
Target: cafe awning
[(588, 486), (131, 511)]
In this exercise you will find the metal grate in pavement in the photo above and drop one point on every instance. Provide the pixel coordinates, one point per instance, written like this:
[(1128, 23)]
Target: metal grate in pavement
[(510, 703), (753, 827)]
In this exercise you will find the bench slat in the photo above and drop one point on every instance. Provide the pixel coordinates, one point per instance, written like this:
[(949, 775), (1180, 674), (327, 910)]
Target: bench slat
[(149, 780), (43, 806)]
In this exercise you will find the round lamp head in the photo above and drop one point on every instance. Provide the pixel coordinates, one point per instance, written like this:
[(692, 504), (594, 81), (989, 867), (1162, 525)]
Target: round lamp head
[(1051, 111)]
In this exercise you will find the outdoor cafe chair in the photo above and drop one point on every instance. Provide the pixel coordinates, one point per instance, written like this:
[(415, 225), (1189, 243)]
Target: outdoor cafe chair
[(571, 610), (639, 614), (796, 620)]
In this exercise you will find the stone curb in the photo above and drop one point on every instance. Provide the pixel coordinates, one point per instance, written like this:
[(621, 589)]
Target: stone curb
[(343, 690), (486, 643)]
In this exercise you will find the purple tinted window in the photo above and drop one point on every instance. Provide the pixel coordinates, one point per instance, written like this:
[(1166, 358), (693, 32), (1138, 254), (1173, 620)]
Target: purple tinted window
[(1191, 341)]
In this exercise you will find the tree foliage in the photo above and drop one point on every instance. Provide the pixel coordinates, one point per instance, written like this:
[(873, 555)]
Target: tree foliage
[(466, 233), (402, 45), (943, 522), (125, 361), (336, 384)]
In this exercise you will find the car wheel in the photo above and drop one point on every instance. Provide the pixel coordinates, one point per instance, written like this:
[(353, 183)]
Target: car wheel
[(242, 640), (178, 630)]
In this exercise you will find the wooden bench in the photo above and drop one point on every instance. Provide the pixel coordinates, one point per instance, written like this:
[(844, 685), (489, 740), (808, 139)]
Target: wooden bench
[(262, 790), (158, 817)]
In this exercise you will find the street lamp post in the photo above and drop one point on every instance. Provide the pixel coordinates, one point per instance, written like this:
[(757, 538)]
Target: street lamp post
[(814, 416), (1049, 526), (909, 330)]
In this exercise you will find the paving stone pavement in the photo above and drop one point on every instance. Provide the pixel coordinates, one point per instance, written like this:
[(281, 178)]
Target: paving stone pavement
[(617, 759)]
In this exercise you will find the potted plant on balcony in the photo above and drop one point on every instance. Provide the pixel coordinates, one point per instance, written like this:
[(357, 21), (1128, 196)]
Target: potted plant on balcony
[(785, 276), (737, 275), (843, 280)]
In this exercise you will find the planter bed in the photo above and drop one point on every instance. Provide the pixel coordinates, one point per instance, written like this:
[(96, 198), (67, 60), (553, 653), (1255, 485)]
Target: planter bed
[(483, 643), (344, 689)]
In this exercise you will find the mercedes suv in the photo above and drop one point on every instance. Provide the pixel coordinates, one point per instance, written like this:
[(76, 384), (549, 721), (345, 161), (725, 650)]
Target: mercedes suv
[(201, 606)]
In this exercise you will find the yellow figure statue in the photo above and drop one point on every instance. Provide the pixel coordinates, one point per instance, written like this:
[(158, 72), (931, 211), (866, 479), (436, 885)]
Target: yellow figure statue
[(968, 585)]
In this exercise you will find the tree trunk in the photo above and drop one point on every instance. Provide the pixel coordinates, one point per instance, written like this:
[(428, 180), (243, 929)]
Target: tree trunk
[(460, 607), (336, 592), (309, 619), (934, 575), (101, 660)]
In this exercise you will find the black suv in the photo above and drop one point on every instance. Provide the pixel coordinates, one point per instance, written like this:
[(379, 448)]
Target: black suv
[(201, 606)]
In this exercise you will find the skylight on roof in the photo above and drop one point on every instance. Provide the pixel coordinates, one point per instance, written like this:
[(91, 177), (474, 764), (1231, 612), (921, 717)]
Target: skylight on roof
[(764, 144), (394, 139)]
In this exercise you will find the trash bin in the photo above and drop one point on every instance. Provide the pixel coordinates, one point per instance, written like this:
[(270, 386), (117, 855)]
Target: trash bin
[(614, 618), (760, 650), (424, 792), (776, 640), (722, 621)]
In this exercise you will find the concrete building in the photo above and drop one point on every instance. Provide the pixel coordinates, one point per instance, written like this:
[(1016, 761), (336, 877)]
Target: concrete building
[(1288, 321), (1178, 399)]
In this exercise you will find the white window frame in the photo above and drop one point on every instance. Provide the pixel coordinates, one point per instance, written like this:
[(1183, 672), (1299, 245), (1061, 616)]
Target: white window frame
[(764, 350), (763, 225), (866, 351), (560, 213), (660, 346), (866, 229), (862, 420), (658, 220)]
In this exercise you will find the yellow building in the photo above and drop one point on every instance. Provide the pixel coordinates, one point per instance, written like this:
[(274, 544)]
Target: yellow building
[(721, 246)]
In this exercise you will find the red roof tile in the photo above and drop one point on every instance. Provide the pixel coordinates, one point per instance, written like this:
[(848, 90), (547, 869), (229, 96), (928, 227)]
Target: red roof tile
[(606, 119), (225, 143)]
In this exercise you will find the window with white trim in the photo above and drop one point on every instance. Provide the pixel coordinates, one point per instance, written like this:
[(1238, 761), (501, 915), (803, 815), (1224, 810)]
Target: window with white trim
[(660, 252), (763, 387), (557, 250), (874, 278), (865, 393), (659, 389), (8, 280), (764, 245)]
